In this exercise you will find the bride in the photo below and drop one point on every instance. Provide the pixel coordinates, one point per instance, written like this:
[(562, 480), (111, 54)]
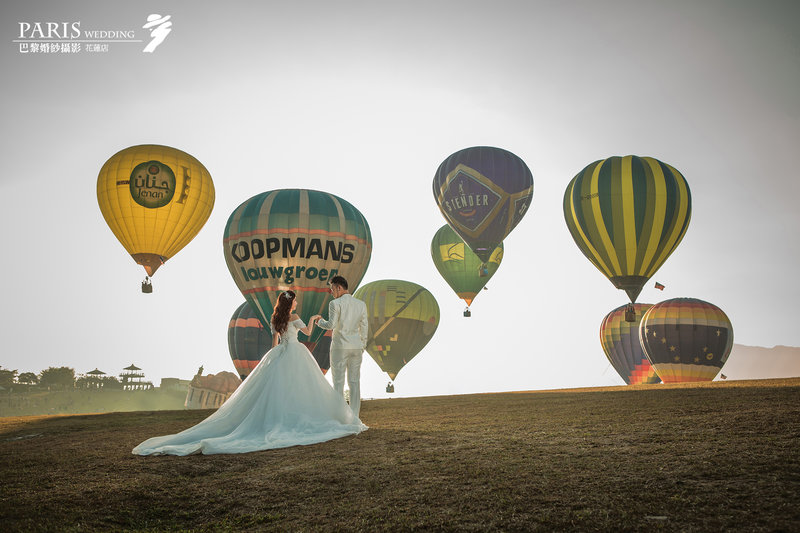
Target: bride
[(285, 401)]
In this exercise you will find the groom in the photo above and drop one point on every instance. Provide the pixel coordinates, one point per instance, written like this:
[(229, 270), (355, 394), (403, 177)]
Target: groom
[(347, 317)]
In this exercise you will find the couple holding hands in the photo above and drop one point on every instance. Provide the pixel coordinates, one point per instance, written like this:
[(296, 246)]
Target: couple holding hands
[(286, 400)]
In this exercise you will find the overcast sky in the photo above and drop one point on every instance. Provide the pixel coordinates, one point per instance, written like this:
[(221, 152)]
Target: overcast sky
[(364, 100)]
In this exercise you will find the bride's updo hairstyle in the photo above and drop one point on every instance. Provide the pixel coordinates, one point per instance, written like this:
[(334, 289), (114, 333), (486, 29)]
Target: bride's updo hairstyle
[(282, 312)]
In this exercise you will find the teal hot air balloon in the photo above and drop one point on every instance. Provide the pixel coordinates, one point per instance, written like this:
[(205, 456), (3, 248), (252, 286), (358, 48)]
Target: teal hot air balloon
[(483, 193), (248, 340), (627, 215), (295, 239)]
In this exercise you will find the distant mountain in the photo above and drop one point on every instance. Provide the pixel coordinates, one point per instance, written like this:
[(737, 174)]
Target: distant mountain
[(757, 362)]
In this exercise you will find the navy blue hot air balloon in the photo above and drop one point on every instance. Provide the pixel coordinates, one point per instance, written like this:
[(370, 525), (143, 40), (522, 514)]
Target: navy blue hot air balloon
[(483, 192)]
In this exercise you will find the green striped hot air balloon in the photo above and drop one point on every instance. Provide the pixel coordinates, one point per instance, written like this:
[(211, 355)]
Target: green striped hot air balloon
[(295, 239), (460, 266), (403, 317), (627, 215)]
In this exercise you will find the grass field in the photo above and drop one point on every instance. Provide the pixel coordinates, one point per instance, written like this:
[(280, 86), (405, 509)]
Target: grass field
[(711, 457)]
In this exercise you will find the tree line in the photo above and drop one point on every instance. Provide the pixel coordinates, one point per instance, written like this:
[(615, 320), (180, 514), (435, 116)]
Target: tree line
[(58, 378)]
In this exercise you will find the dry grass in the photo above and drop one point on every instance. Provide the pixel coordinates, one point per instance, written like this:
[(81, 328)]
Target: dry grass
[(719, 456)]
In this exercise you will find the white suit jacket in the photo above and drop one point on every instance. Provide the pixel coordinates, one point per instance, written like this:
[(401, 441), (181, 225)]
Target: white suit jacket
[(347, 317)]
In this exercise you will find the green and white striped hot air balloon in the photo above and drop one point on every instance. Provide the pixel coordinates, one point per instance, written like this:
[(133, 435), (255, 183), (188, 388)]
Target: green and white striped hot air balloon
[(295, 239)]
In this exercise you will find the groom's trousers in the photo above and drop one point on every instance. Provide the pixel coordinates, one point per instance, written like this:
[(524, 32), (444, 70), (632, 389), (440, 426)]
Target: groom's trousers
[(348, 361)]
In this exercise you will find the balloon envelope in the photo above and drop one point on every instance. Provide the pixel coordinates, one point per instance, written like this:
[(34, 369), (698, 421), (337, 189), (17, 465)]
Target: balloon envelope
[(403, 317), (295, 239), (686, 339), (620, 341), (483, 192), (248, 339), (155, 199), (459, 266), (627, 215)]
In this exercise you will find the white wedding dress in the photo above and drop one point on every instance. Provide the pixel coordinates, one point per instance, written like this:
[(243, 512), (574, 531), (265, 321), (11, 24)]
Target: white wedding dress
[(285, 401)]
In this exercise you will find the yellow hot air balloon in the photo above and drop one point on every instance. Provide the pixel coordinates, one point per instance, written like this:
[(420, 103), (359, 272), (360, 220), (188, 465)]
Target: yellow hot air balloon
[(155, 199)]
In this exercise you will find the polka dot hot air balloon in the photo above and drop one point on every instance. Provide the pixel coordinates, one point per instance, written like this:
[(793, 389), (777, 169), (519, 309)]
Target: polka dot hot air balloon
[(620, 341), (483, 193), (155, 199), (686, 339), (403, 317), (627, 215), (295, 239), (248, 339)]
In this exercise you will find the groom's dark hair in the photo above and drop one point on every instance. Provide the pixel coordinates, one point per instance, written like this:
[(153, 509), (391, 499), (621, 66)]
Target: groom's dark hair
[(340, 281)]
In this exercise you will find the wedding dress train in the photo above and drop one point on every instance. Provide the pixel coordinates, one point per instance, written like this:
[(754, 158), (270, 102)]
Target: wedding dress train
[(285, 401)]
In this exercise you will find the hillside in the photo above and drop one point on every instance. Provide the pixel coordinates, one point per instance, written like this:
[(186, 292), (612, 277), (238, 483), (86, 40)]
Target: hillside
[(757, 362)]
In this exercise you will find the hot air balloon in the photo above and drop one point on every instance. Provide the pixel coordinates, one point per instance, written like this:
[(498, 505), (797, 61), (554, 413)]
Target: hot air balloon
[(322, 351), (483, 193), (403, 316), (627, 215), (459, 266), (248, 339), (620, 340), (295, 239), (686, 339), (155, 199)]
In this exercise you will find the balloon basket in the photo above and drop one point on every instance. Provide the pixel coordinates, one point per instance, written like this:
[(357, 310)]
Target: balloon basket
[(147, 286), (630, 313), (390, 387), (467, 312)]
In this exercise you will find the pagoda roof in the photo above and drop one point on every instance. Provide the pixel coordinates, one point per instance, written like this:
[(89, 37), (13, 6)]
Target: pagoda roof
[(96, 372), (132, 367)]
